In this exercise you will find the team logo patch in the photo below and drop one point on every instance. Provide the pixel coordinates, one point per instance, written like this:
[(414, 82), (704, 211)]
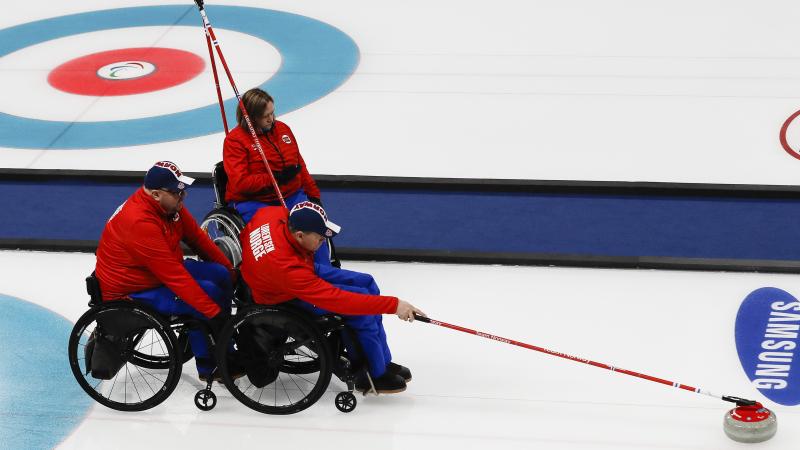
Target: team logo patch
[(181, 186), (286, 139), (767, 329)]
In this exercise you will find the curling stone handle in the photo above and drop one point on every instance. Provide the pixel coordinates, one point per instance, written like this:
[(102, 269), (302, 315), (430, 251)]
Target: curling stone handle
[(739, 401)]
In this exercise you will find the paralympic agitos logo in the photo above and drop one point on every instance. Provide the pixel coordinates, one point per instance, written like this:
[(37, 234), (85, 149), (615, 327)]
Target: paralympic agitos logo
[(767, 329)]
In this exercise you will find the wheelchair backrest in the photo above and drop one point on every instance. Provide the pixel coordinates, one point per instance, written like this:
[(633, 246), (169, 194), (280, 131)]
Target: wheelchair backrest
[(220, 180), (93, 289), (243, 294)]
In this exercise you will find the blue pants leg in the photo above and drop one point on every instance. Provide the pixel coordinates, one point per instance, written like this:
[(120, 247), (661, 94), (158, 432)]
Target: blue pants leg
[(368, 328), (248, 209), (213, 272), (165, 302)]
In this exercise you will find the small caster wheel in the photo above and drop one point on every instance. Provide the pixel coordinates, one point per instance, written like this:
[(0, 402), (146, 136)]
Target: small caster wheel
[(345, 402), (205, 400)]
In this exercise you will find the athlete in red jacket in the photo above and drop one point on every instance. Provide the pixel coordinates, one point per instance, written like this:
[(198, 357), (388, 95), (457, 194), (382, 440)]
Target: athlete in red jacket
[(247, 176), (140, 257), (249, 185), (278, 265)]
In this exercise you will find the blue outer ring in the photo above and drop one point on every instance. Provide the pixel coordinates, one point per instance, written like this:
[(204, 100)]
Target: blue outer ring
[(317, 58)]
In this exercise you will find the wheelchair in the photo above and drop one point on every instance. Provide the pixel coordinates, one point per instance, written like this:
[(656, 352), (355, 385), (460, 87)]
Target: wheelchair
[(128, 357), (289, 356), (223, 223)]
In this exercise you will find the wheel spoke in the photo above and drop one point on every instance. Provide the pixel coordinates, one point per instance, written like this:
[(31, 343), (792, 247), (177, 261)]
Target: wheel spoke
[(298, 387), (144, 380), (133, 383)]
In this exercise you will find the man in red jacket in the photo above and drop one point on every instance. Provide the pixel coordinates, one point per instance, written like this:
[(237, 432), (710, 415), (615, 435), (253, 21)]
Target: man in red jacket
[(249, 185), (278, 265), (140, 258)]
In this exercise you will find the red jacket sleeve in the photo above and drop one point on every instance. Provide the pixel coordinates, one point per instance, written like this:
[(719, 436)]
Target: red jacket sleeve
[(301, 282), (235, 160), (148, 245), (199, 241), (309, 185)]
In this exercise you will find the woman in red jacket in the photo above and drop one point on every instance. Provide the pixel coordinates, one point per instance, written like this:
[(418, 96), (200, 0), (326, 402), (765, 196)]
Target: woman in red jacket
[(249, 185)]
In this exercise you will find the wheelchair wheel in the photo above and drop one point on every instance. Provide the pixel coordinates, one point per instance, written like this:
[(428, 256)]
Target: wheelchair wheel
[(223, 226), (124, 356), (266, 338)]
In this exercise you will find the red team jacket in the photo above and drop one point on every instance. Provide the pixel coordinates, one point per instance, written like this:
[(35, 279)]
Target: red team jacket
[(278, 269), (248, 178), (140, 249)]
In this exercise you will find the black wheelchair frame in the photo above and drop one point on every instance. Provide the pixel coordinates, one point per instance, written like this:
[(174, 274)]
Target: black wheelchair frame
[(289, 355), (127, 346)]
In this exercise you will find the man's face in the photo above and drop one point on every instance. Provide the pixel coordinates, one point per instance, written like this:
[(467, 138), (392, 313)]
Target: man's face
[(309, 240), (171, 202), (265, 121)]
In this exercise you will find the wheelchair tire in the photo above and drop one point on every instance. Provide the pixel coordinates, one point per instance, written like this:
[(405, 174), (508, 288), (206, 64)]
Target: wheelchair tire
[(283, 392), (132, 387), (223, 226)]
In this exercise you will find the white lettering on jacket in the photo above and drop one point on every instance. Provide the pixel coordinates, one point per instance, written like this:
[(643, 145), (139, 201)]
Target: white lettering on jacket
[(261, 241)]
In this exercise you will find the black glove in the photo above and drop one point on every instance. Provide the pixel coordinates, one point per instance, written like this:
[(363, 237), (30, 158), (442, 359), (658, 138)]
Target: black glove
[(316, 200), (217, 323)]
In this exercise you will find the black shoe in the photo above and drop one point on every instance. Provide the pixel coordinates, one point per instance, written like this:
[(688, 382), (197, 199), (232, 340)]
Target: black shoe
[(388, 383), (397, 369)]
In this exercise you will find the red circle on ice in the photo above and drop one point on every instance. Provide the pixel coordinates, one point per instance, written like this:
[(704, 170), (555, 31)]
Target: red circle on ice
[(126, 71)]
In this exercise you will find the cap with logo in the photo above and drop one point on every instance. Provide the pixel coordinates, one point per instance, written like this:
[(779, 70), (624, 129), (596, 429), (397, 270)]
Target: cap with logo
[(166, 175), (310, 217)]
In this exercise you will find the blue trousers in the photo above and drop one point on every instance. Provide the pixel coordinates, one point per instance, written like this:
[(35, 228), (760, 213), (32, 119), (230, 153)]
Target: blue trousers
[(369, 328), (249, 208), (215, 280)]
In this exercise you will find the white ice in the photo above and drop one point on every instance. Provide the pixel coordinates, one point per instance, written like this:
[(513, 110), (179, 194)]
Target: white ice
[(470, 392), (683, 91)]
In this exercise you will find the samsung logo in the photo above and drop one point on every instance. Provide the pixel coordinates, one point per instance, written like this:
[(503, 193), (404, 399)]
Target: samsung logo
[(767, 331)]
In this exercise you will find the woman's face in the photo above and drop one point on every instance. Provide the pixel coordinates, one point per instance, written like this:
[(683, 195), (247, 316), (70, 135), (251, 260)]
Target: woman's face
[(265, 121)]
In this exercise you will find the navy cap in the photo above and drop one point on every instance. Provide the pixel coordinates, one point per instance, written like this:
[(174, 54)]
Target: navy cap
[(308, 216), (166, 175)]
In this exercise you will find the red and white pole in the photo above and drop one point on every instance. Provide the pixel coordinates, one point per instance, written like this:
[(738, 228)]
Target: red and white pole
[(210, 33), (737, 400)]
